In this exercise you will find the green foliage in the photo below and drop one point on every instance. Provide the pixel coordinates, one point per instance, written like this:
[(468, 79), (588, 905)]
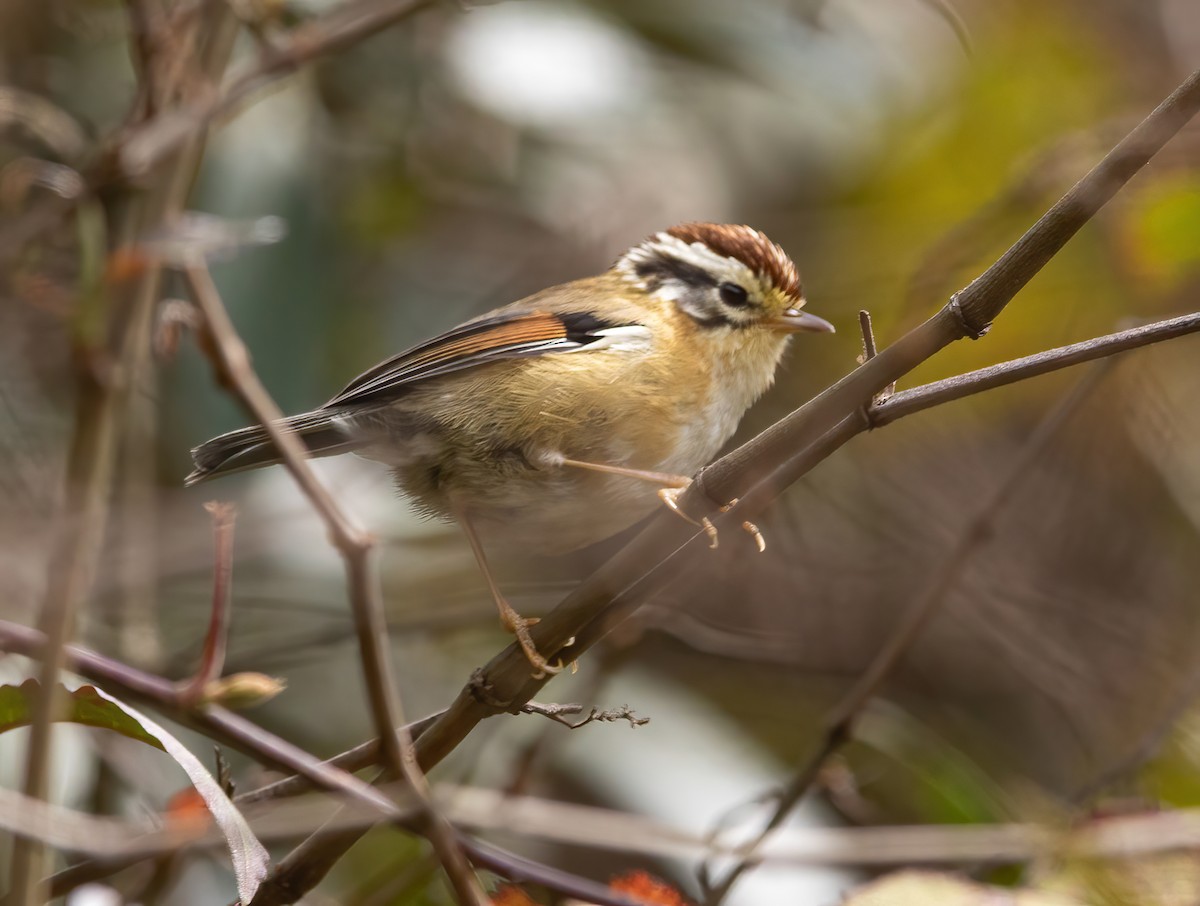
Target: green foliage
[(911, 774), (84, 705), (1161, 235)]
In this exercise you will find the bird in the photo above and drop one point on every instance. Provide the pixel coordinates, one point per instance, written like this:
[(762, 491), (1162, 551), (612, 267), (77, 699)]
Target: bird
[(547, 423)]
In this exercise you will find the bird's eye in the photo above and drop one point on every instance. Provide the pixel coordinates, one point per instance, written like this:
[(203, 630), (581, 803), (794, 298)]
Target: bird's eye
[(733, 295)]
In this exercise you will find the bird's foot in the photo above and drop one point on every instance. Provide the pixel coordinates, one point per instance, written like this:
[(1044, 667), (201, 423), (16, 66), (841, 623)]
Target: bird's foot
[(519, 627), (670, 496)]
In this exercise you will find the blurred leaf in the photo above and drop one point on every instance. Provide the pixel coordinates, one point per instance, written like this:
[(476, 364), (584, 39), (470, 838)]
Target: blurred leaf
[(1001, 144), (389, 206), (1172, 777), (94, 708), (913, 774), (1161, 234), (1171, 879), (645, 888), (511, 895), (927, 888)]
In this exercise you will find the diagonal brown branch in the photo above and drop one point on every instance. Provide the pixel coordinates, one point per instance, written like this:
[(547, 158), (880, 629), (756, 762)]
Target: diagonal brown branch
[(902, 404), (240, 734), (788, 449), (784, 452)]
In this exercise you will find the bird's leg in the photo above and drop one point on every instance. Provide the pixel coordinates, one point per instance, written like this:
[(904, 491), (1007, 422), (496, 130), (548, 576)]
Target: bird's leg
[(672, 488), (509, 618)]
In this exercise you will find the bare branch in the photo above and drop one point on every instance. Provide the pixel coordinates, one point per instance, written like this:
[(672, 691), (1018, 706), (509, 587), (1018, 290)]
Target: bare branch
[(212, 660), (558, 713), (783, 453), (101, 414), (133, 151), (1121, 837), (971, 539), (356, 548), (907, 402), (339, 29)]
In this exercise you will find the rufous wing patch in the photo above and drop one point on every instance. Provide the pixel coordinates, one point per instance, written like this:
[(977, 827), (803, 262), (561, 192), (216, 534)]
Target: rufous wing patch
[(505, 335)]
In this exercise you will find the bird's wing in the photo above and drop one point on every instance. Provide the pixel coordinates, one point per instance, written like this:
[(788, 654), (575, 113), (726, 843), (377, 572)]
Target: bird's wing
[(504, 335)]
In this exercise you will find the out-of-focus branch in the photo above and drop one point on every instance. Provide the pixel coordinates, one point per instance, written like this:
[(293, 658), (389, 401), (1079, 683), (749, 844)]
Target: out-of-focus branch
[(351, 541), (216, 722), (356, 548), (1121, 837), (102, 411), (971, 539), (134, 150), (341, 28), (212, 659), (308, 773)]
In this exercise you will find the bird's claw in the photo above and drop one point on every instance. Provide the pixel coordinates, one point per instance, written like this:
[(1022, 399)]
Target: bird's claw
[(519, 627), (670, 497)]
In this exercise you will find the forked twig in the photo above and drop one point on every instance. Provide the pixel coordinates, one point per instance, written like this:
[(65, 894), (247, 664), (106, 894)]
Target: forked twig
[(356, 548), (972, 537), (559, 713)]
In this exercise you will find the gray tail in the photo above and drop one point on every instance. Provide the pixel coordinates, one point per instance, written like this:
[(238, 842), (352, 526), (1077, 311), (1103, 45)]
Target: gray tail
[(252, 448)]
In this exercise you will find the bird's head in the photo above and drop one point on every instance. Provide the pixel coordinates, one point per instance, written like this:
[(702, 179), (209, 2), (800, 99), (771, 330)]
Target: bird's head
[(723, 276)]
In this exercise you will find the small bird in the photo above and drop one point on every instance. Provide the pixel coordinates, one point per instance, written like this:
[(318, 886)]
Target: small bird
[(546, 423)]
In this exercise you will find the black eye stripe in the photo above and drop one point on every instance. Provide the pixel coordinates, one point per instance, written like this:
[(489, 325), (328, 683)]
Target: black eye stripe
[(665, 267), (733, 295)]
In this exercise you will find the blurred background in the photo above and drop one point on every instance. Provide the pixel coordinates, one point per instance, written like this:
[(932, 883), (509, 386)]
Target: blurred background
[(476, 153)]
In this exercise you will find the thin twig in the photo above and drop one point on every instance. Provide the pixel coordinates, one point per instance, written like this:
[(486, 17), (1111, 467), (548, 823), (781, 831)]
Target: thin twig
[(351, 541), (355, 759), (100, 416), (344, 26), (558, 713), (868, 336), (978, 531), (212, 661), (356, 548), (869, 352), (906, 402), (131, 152), (161, 694), (145, 28)]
